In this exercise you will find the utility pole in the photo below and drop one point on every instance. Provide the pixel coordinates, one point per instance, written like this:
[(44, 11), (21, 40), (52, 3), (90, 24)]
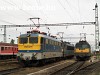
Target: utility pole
[(96, 28), (5, 37)]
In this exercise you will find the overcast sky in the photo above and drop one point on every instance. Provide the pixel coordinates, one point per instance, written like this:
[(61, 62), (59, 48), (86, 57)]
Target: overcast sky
[(49, 11)]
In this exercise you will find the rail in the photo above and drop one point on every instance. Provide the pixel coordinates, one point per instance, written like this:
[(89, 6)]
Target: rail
[(70, 69), (9, 71)]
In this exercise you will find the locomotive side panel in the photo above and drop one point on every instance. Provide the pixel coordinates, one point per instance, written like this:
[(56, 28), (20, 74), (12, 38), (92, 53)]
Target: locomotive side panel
[(68, 50), (44, 48), (51, 48)]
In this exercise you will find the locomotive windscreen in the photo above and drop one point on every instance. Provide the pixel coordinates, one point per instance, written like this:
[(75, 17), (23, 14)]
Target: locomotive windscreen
[(82, 45), (23, 40), (33, 39)]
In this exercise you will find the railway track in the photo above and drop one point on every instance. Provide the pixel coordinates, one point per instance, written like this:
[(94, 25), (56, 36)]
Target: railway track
[(2, 63), (87, 70), (77, 68), (24, 69), (52, 69), (9, 71), (7, 60), (70, 69)]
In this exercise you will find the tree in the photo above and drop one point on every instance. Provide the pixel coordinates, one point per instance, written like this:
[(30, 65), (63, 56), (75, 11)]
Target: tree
[(12, 41)]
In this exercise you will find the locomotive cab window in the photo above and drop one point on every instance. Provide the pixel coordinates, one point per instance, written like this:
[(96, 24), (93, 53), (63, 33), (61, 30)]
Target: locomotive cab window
[(23, 40), (33, 40), (80, 46), (85, 46)]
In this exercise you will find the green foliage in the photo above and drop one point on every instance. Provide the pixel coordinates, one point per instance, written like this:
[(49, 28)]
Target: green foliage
[(12, 41)]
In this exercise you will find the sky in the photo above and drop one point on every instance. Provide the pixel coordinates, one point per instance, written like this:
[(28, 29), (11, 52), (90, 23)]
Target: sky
[(14, 12)]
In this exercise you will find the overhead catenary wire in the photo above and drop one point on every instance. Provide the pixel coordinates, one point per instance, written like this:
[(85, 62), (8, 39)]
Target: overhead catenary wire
[(10, 15), (65, 10), (2, 8), (69, 5), (4, 12), (72, 7), (39, 12), (48, 28), (79, 11), (80, 15), (7, 2), (7, 22), (14, 4), (39, 4)]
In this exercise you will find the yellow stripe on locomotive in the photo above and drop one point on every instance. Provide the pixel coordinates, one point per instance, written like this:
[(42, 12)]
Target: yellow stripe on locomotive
[(77, 50), (29, 45)]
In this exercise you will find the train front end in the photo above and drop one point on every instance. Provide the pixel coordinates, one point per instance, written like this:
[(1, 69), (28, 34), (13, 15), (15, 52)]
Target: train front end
[(82, 50), (29, 48)]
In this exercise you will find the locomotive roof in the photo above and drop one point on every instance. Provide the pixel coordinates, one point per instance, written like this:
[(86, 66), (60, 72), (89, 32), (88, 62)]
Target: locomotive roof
[(82, 42), (68, 43), (35, 35), (7, 44)]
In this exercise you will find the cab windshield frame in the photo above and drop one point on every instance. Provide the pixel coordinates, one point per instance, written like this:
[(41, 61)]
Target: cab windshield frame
[(23, 40), (33, 40)]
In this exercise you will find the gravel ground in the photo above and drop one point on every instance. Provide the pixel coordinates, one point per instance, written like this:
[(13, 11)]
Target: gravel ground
[(96, 72), (34, 69), (8, 66)]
